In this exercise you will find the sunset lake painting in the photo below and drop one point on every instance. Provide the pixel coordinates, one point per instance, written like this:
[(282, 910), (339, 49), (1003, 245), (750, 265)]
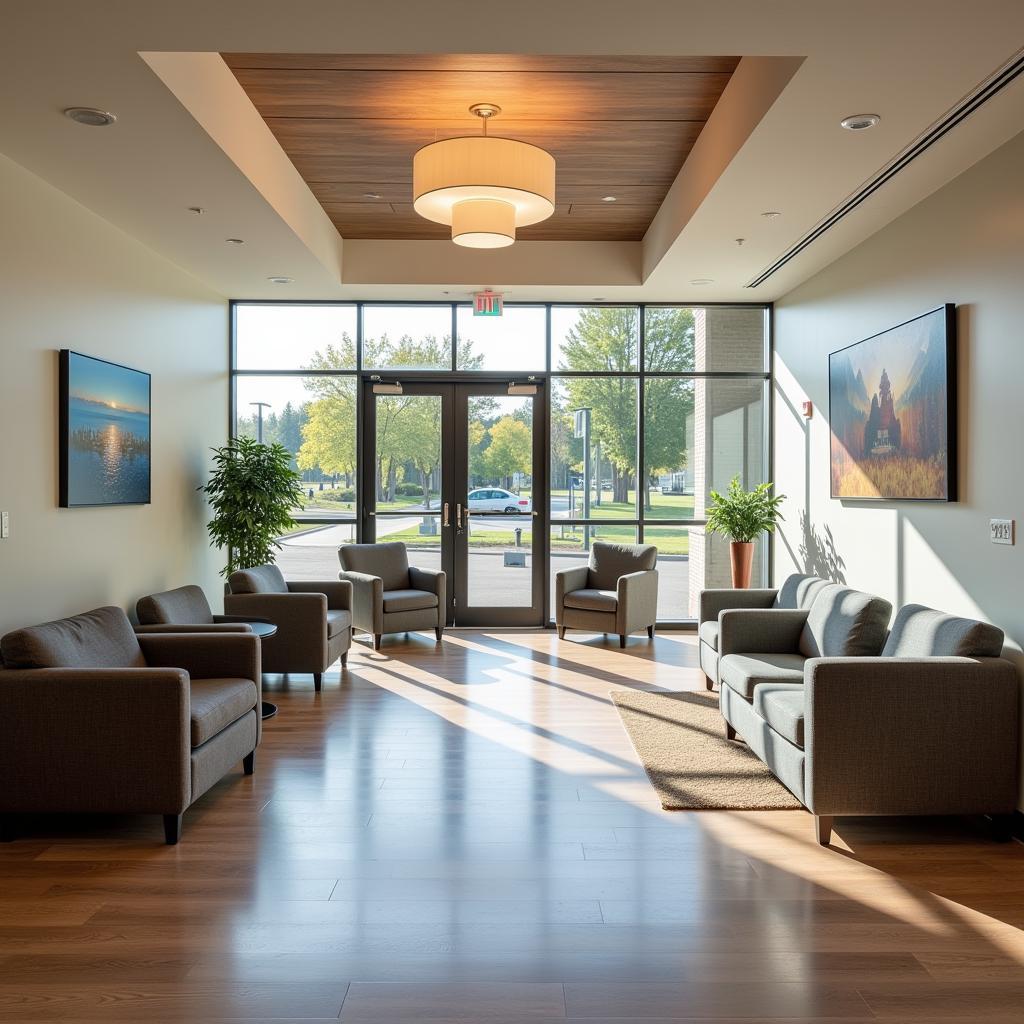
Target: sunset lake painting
[(105, 442), (892, 412)]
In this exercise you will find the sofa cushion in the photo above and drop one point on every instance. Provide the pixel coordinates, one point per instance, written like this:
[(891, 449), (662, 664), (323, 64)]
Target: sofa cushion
[(101, 638), (591, 599), (610, 561), (261, 579), (216, 703), (845, 623), (708, 632), (338, 620), (798, 591), (921, 632), (781, 705), (183, 606), (745, 672), (406, 600), (389, 561)]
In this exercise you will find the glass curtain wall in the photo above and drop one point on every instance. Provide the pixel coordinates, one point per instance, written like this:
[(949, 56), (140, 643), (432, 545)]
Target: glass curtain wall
[(651, 408)]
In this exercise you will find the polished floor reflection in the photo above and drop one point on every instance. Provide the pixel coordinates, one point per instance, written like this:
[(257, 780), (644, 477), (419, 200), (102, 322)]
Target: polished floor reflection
[(463, 833)]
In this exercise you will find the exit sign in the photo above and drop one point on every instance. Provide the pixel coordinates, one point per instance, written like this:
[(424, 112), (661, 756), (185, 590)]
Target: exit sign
[(487, 303)]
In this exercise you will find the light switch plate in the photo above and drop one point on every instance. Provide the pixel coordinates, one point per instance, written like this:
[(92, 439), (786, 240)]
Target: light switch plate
[(1002, 531), (5, 525)]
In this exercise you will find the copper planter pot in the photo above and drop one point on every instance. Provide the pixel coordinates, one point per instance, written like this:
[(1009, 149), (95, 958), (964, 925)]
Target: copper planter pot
[(741, 554)]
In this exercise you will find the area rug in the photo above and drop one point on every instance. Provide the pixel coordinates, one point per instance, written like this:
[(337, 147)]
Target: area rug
[(680, 738)]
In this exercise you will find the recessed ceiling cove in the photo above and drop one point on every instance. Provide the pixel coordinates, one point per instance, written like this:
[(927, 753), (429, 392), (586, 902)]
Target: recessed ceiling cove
[(619, 128)]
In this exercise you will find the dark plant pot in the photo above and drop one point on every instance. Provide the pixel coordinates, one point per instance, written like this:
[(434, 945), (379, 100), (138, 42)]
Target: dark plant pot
[(741, 554)]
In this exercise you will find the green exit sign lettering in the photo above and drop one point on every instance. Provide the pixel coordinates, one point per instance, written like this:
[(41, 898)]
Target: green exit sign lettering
[(487, 303)]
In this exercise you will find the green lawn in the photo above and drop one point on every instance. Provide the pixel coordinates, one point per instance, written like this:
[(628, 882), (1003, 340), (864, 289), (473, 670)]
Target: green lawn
[(663, 506)]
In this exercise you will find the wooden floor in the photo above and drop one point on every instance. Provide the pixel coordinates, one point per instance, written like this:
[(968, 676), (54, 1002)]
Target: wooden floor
[(463, 833)]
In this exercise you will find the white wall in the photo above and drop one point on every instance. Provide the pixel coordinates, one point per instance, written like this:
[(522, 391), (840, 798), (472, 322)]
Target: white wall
[(964, 244), (70, 280)]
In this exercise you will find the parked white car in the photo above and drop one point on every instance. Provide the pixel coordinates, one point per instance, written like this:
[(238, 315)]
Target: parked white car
[(497, 499)]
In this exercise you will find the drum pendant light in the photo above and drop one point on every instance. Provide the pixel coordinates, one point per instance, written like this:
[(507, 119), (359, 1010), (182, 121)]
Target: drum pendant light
[(482, 186)]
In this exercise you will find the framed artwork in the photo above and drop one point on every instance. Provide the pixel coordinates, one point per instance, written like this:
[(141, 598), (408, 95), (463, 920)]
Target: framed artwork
[(892, 412), (104, 433)]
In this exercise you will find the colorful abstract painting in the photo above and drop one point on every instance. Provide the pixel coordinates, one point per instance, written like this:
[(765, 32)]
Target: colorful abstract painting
[(892, 411), (104, 433)]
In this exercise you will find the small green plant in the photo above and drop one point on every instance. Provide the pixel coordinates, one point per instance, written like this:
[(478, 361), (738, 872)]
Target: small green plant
[(252, 491), (743, 515)]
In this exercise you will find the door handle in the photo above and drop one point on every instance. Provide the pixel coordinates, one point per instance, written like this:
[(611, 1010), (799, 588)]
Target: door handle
[(458, 515), (444, 516)]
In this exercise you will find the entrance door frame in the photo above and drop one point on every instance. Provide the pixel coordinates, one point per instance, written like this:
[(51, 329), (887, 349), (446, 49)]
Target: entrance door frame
[(454, 389)]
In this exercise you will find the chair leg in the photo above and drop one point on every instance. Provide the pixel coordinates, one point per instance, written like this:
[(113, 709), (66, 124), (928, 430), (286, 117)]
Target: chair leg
[(823, 828), (344, 660), (249, 762), (561, 632), (709, 683), (437, 632), (1002, 827), (650, 632), (622, 639), (730, 732), (318, 681), (376, 641), (172, 828)]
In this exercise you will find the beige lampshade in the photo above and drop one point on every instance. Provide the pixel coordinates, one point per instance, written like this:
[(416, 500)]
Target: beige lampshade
[(486, 178)]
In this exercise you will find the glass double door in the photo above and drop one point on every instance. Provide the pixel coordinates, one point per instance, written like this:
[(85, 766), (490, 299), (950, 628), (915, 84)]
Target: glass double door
[(456, 472)]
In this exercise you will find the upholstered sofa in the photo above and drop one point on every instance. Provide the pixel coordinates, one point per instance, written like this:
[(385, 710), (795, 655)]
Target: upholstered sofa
[(795, 594), (313, 618), (616, 592), (853, 721), (94, 719), (389, 595)]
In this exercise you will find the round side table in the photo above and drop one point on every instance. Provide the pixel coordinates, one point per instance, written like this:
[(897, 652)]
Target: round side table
[(264, 630)]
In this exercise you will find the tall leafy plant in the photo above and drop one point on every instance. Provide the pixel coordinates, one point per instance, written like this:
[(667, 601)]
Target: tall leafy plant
[(252, 490), (743, 515)]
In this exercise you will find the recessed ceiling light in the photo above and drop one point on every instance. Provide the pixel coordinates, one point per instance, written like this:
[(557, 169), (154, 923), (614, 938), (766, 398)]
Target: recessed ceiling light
[(197, 210), (276, 279), (235, 241), (598, 298), (771, 214), (702, 280), (371, 195), (609, 199), (860, 122), (91, 116)]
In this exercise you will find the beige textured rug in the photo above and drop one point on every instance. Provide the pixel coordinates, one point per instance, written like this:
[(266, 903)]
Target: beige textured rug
[(680, 738)]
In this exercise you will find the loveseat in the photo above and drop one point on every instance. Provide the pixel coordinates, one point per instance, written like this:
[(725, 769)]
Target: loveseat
[(855, 719)]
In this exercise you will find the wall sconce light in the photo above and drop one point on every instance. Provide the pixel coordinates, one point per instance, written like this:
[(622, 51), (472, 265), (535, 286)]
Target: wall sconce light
[(807, 409)]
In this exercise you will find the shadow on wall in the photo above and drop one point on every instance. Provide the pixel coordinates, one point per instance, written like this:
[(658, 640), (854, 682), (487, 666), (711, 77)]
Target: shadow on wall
[(818, 552)]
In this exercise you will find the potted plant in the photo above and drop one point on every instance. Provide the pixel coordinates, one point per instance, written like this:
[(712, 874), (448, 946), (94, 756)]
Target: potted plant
[(743, 516), (252, 491)]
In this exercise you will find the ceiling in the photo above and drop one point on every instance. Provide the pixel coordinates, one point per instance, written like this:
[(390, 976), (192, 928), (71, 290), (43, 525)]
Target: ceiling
[(189, 134), (617, 126)]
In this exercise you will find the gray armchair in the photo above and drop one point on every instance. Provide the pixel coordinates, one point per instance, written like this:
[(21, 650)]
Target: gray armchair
[(184, 610), (389, 595), (97, 720), (617, 592), (313, 619)]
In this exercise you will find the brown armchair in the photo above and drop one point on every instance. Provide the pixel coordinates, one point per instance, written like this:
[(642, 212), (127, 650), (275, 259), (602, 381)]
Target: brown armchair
[(389, 595), (617, 592), (313, 619), (98, 720)]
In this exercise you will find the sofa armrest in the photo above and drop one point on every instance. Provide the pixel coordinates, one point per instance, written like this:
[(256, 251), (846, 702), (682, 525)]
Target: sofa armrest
[(764, 631), (338, 592), (367, 600), (712, 602), (637, 600), (911, 735), (193, 627), (95, 740), (435, 581), (205, 655), (568, 580)]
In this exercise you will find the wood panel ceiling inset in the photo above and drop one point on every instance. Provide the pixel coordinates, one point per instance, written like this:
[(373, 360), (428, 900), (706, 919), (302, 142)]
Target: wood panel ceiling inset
[(617, 126)]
